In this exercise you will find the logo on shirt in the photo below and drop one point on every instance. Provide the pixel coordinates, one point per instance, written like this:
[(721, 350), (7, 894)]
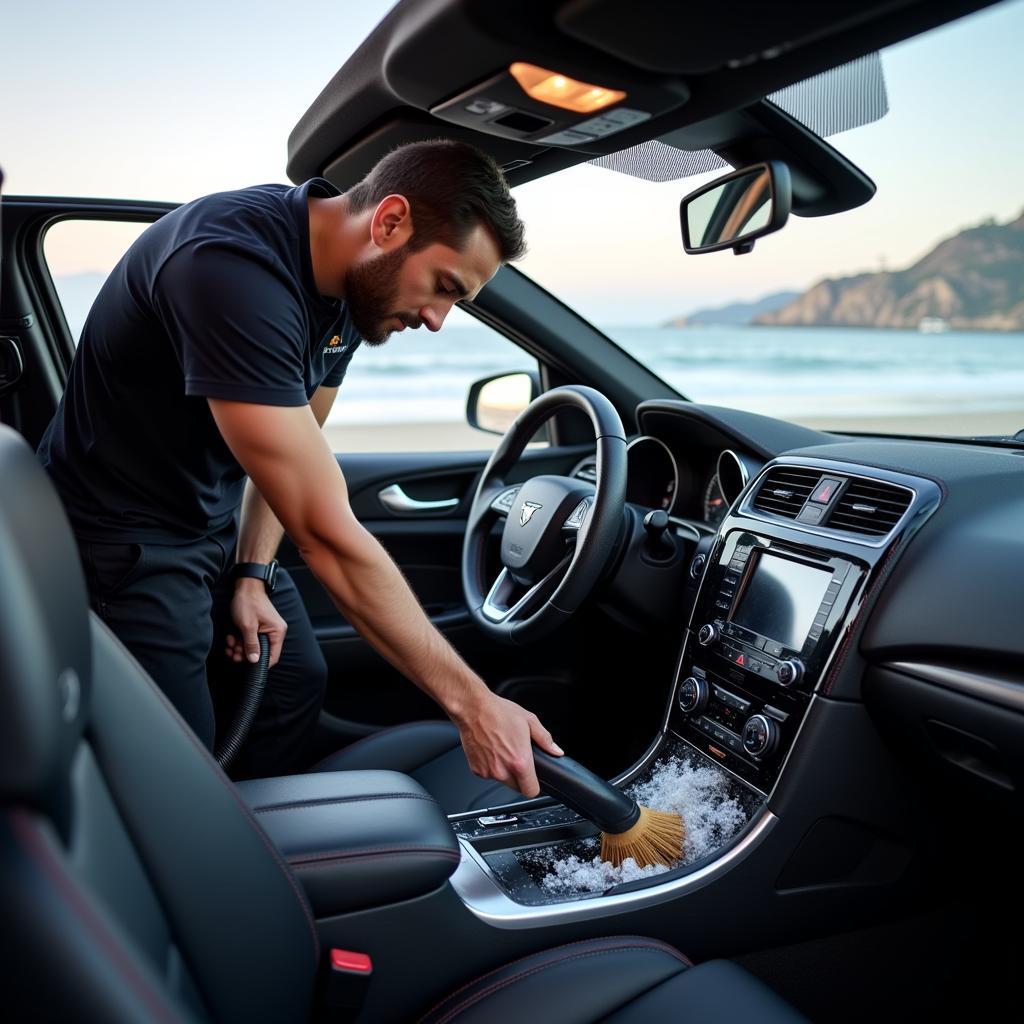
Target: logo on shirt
[(334, 346)]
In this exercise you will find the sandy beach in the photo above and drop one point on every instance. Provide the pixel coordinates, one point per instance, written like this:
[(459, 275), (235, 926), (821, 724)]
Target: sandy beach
[(399, 437)]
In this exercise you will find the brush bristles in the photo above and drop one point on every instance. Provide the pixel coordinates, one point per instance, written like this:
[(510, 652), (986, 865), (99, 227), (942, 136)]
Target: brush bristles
[(656, 838)]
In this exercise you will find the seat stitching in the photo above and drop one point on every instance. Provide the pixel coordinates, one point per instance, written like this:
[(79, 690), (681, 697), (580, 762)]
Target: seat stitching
[(368, 851), (228, 786), (327, 801), (553, 949), (497, 986), (390, 730), (39, 851), (638, 941)]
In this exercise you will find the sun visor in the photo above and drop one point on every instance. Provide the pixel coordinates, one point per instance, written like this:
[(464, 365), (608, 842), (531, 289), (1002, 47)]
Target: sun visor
[(834, 101)]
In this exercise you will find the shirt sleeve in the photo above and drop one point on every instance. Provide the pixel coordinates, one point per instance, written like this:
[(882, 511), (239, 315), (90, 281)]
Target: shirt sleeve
[(235, 324)]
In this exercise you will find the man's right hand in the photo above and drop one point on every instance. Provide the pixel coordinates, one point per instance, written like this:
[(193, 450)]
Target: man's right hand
[(497, 735)]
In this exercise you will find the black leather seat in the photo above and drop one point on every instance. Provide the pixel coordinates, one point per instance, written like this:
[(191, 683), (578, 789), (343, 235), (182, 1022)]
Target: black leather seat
[(431, 753), (136, 885)]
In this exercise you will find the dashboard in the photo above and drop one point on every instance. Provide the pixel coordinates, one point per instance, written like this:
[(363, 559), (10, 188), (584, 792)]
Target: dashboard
[(692, 486), (879, 571)]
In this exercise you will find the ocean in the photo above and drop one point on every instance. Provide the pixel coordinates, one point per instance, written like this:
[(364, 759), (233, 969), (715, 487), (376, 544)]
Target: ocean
[(779, 371), (803, 372)]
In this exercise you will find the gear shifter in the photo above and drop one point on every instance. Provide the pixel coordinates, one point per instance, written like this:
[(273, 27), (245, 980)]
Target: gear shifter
[(661, 544)]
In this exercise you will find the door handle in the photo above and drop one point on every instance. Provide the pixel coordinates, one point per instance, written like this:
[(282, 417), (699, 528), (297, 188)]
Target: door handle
[(394, 499)]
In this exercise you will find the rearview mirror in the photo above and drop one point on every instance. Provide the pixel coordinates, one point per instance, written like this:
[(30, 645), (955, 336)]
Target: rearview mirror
[(732, 211)]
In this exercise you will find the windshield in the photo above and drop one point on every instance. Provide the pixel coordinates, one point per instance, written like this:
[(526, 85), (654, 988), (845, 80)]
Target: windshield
[(905, 315)]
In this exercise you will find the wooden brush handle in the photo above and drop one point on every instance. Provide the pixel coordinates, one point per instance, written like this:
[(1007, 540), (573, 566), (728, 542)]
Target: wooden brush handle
[(585, 793)]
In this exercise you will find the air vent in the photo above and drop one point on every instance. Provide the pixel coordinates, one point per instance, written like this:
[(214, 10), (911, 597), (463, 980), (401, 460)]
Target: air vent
[(586, 470), (870, 507), (786, 490)]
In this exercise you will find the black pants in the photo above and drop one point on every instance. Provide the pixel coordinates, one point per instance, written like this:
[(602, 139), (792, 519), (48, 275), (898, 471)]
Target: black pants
[(169, 605)]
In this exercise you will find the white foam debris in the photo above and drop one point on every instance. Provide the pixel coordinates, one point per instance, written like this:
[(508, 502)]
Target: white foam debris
[(699, 793), (702, 795)]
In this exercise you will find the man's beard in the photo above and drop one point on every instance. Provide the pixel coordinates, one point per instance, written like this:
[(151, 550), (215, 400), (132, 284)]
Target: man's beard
[(371, 290)]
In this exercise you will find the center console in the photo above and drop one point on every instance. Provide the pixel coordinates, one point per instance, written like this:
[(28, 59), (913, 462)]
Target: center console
[(765, 624)]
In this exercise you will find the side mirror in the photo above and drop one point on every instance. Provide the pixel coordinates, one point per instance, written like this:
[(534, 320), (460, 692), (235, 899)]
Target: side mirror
[(732, 211), (495, 402)]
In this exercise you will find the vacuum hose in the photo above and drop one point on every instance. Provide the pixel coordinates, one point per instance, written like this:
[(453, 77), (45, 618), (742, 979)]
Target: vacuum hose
[(255, 681), (586, 793)]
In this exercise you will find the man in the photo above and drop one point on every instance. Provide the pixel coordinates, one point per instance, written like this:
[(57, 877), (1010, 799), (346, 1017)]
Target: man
[(213, 353)]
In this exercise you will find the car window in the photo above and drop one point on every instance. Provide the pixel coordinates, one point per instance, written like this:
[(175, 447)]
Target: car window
[(904, 315), (79, 254), (410, 393), (407, 395)]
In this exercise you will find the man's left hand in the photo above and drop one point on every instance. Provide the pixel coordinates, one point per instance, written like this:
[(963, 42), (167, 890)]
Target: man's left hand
[(253, 613)]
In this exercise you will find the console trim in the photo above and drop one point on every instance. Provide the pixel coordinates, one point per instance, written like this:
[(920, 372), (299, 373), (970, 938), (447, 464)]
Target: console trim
[(484, 897)]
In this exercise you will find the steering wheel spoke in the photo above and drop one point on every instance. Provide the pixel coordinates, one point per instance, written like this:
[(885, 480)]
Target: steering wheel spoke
[(505, 499), (577, 518), (508, 599)]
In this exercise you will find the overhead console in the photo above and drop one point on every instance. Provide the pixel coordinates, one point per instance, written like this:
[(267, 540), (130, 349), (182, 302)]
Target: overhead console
[(786, 576)]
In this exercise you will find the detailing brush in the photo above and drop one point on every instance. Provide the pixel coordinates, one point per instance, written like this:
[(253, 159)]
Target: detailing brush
[(627, 829)]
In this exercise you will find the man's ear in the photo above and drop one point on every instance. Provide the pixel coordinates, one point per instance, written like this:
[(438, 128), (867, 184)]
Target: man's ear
[(391, 224)]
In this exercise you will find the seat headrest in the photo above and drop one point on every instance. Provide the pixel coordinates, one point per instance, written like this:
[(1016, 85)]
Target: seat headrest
[(45, 650)]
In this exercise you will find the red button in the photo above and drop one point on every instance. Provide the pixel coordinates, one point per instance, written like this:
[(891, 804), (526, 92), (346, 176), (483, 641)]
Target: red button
[(346, 960), (825, 489)]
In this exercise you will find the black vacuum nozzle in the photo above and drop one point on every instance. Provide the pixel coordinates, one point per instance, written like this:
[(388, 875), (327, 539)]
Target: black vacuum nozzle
[(586, 793)]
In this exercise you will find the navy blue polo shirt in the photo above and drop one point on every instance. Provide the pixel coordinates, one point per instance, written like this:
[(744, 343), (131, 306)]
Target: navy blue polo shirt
[(215, 300)]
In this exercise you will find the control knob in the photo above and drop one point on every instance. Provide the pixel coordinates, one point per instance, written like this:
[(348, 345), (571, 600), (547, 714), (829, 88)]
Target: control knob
[(789, 672), (708, 634), (760, 736), (693, 695)]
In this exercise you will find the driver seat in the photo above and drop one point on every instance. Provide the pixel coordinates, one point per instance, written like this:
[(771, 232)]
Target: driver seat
[(136, 884), (432, 754)]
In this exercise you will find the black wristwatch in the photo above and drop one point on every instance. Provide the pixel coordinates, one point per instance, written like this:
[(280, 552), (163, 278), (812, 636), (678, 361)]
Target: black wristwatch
[(257, 571)]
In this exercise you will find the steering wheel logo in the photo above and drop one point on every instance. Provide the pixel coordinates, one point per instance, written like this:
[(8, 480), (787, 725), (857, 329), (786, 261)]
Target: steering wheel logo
[(526, 514)]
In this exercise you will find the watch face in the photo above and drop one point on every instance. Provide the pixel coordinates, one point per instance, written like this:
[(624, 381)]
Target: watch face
[(271, 578)]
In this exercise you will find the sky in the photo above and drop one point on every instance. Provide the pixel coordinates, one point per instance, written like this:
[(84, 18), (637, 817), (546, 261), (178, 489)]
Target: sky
[(137, 100)]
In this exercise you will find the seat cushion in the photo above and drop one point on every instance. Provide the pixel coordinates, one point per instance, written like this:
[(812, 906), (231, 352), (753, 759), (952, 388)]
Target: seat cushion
[(432, 754), (619, 980)]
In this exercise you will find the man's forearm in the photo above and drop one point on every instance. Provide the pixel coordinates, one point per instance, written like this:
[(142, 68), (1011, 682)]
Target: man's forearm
[(373, 595), (259, 532)]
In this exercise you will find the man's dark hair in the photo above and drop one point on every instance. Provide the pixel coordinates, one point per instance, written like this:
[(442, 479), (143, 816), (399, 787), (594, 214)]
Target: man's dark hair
[(451, 187)]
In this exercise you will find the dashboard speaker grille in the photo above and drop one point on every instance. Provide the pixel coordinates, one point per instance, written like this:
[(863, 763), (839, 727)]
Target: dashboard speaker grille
[(785, 490), (870, 507)]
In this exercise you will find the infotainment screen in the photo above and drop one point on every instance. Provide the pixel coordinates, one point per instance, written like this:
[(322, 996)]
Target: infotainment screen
[(781, 600)]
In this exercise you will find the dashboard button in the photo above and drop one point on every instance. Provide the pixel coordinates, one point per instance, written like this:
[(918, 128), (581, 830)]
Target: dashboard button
[(826, 490), (774, 648), (811, 514)]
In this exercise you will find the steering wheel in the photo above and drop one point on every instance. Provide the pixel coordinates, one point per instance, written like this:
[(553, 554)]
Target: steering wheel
[(559, 533)]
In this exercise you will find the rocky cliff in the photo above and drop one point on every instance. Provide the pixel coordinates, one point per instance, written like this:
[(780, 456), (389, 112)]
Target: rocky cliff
[(972, 281)]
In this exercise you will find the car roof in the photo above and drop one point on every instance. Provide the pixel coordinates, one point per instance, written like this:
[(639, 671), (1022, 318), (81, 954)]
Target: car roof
[(695, 74)]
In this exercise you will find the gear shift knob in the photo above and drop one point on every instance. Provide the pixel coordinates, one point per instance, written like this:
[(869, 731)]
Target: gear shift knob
[(659, 543)]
